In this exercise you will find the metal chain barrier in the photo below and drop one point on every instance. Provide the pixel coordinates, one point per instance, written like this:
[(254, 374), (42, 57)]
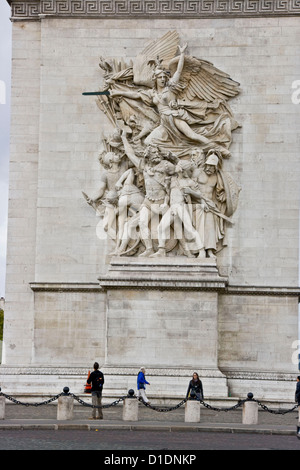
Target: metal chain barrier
[(214, 408), (277, 412), (206, 405), (64, 393), (265, 408), (114, 403), (234, 407), (18, 402), (163, 409)]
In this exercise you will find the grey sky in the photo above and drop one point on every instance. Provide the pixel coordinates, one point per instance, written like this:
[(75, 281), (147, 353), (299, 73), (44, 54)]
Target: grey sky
[(5, 81)]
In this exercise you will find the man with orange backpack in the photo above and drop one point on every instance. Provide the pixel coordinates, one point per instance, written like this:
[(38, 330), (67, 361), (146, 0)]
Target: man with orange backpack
[(96, 378)]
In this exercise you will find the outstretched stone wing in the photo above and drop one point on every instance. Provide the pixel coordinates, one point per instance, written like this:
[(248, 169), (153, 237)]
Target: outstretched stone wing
[(200, 79), (165, 48)]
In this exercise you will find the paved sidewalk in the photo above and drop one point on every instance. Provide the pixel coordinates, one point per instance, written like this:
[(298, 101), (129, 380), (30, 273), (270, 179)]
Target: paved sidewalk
[(45, 417)]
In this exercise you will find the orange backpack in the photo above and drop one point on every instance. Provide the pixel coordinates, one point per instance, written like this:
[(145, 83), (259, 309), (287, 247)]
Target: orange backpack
[(88, 387)]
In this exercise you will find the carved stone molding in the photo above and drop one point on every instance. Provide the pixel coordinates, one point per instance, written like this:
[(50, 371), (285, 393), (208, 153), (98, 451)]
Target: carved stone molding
[(65, 287), (141, 283), (261, 290), (107, 370), (153, 371), (166, 273), (259, 375), (35, 9)]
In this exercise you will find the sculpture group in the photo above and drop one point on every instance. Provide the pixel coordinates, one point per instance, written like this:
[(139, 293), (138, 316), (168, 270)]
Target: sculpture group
[(163, 189)]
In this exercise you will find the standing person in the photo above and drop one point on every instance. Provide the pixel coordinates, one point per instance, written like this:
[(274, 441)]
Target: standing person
[(141, 382), (195, 385), (297, 394), (97, 380)]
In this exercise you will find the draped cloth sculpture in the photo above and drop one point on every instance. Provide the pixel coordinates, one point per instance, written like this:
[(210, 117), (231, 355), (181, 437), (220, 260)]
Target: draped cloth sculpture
[(163, 188)]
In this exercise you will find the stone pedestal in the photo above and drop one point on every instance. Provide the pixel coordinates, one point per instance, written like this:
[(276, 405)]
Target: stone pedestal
[(65, 408), (250, 412), (192, 411), (130, 409), (163, 314), (2, 407)]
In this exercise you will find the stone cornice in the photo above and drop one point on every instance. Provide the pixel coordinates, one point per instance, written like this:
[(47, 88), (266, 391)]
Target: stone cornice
[(107, 370), (65, 287), (133, 9), (148, 284), (264, 290), (66, 371)]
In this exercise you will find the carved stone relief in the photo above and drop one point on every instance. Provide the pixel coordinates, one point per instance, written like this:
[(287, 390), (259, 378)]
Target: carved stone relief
[(163, 188), (35, 9)]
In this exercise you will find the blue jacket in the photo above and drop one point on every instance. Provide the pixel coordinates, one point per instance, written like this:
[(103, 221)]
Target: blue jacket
[(141, 381)]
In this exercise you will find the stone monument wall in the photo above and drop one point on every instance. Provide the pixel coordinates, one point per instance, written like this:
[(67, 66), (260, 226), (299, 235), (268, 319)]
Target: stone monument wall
[(56, 312)]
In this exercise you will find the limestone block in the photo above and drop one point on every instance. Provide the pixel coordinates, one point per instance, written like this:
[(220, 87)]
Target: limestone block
[(2, 407), (192, 411), (250, 412), (65, 406), (130, 409)]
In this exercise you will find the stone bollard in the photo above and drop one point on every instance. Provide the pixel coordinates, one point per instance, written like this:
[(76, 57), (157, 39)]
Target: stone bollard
[(65, 406), (192, 411), (250, 411), (130, 407), (2, 407)]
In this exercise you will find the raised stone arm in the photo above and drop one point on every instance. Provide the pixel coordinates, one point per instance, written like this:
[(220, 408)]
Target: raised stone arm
[(177, 74), (129, 150), (127, 94)]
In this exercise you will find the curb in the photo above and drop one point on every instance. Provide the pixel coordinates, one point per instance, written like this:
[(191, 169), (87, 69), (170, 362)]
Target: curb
[(220, 428)]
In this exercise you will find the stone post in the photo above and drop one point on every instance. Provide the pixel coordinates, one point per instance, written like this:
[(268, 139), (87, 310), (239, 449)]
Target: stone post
[(250, 411), (192, 411), (65, 406), (130, 407), (2, 407)]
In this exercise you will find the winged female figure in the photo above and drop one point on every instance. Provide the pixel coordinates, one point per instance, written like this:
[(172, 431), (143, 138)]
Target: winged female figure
[(190, 99)]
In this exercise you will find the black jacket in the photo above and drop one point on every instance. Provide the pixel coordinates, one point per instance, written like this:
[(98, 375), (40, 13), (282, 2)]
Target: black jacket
[(197, 387), (297, 394), (97, 380)]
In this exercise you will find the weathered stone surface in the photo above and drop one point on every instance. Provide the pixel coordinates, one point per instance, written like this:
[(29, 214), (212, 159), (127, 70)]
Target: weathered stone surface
[(192, 411), (65, 407), (2, 407), (130, 409), (155, 9), (250, 412), (53, 245)]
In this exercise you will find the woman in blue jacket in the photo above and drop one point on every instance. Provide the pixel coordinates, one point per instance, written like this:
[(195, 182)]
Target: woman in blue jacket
[(141, 385)]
